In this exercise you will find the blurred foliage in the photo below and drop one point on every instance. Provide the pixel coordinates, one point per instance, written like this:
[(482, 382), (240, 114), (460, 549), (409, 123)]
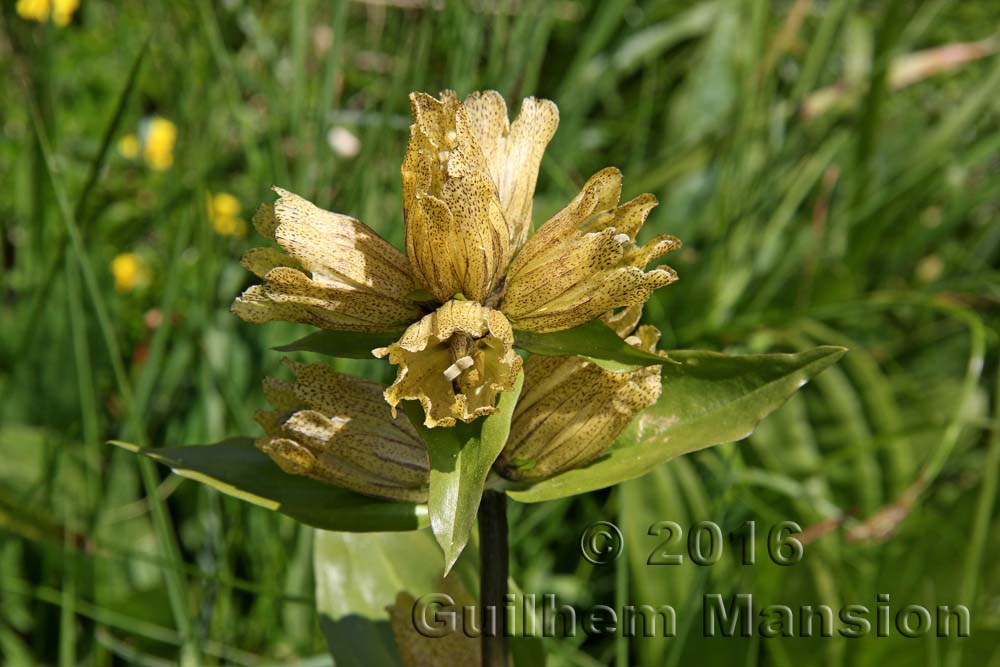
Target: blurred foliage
[(822, 198)]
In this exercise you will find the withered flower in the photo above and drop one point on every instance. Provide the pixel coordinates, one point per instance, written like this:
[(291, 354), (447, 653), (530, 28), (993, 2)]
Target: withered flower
[(335, 272), (456, 234), (571, 410), (471, 276), (338, 429), (584, 261), (454, 361)]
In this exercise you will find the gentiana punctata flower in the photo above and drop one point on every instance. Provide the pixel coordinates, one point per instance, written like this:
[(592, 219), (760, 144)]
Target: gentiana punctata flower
[(585, 261), (473, 344), (456, 234), (332, 272), (338, 429), (470, 279), (571, 409)]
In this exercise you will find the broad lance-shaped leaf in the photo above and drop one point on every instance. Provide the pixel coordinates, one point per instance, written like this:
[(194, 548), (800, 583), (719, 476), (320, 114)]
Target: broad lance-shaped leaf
[(237, 468), (708, 399), (594, 340), (461, 458), (346, 344)]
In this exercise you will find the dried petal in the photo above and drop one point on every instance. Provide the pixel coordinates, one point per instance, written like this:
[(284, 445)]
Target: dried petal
[(264, 221), (338, 429), (513, 151), (456, 235), (571, 411), (584, 261), (337, 273), (454, 361), (625, 320)]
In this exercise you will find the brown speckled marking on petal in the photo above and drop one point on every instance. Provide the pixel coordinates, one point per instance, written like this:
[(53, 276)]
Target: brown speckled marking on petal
[(338, 250), (338, 429), (513, 151), (261, 260), (264, 221), (571, 410), (584, 261), (337, 273), (457, 238), (600, 193), (292, 457)]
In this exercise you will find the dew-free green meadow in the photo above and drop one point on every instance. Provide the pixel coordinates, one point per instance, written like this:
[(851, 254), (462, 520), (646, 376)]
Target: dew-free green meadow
[(832, 168)]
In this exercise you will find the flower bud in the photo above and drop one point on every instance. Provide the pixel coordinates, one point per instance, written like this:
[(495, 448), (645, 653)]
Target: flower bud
[(454, 361), (571, 410), (338, 429), (337, 273), (584, 261), (456, 236)]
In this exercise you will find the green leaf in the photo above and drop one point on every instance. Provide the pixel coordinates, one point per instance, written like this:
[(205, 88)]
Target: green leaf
[(359, 576), (237, 468), (461, 458), (348, 344), (708, 399), (594, 340)]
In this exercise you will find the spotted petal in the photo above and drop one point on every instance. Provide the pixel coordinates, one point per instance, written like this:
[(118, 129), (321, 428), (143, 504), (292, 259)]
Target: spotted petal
[(456, 236), (513, 151), (584, 261), (571, 410), (335, 272), (338, 429)]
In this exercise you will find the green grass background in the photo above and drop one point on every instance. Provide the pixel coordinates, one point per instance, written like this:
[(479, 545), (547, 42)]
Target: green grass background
[(873, 226)]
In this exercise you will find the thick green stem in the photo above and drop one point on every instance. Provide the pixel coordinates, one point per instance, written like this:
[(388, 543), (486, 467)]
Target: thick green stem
[(493, 562)]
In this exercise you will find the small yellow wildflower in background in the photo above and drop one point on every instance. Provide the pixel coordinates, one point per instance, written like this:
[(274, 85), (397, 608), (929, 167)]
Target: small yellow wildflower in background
[(33, 10), (224, 212), (129, 271), (158, 146), (129, 146), (39, 10)]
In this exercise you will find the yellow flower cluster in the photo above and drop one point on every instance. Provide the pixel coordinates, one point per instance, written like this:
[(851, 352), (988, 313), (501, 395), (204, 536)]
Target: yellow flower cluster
[(61, 11), (224, 212), (158, 147), (155, 142), (129, 271), (471, 278)]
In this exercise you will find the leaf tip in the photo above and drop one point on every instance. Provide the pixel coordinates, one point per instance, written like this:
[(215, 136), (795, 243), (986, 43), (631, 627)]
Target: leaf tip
[(449, 562), (833, 353), (128, 446)]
